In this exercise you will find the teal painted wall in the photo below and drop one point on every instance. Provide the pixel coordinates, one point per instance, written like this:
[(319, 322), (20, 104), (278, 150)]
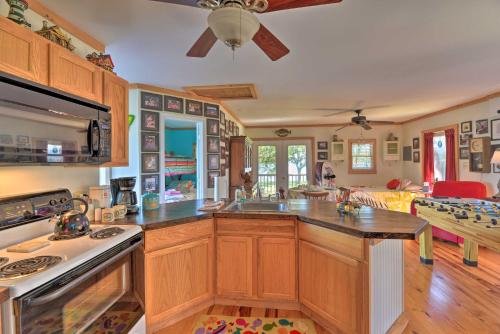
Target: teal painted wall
[(181, 143)]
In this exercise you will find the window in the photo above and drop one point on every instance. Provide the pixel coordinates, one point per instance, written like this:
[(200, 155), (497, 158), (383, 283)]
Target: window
[(439, 143), (362, 156)]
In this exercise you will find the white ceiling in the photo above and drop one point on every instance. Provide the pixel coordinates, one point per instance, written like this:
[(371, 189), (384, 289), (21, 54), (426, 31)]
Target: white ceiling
[(417, 56)]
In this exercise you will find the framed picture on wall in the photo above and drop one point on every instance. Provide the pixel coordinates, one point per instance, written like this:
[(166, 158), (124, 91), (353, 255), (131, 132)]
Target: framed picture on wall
[(466, 127), (482, 127), (416, 143), (150, 121), (211, 179), (150, 163), (223, 170), (464, 153), (150, 183), (237, 132), (223, 119), (323, 155), (212, 127), (213, 144), (407, 153), (174, 104), (464, 139), (194, 108), (213, 161), (416, 156), (151, 101), (211, 110), (495, 129), (322, 145), (150, 142)]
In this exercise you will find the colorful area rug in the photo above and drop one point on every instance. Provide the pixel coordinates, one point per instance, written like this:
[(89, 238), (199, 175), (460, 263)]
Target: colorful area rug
[(219, 324)]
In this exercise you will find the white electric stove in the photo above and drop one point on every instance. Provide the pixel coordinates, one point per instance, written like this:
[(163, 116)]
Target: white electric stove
[(71, 285)]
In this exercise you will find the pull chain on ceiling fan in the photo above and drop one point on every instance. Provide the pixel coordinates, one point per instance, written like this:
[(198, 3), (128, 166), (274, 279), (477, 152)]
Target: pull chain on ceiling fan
[(234, 23)]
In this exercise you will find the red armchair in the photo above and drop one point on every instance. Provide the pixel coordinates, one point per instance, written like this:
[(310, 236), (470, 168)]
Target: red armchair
[(465, 189)]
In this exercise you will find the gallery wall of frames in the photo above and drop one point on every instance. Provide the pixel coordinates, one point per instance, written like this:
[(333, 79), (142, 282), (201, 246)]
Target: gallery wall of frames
[(219, 128)]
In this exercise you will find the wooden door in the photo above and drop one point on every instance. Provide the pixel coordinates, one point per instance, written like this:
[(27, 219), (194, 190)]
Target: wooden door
[(235, 266), (74, 75), (277, 276), (331, 285), (23, 53), (177, 279), (116, 97)]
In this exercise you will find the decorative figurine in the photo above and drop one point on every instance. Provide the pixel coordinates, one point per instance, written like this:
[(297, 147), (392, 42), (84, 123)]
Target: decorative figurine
[(56, 35), (16, 12), (101, 60), (282, 132)]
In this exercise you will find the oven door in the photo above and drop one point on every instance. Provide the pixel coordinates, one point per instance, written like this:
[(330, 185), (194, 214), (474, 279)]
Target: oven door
[(93, 298)]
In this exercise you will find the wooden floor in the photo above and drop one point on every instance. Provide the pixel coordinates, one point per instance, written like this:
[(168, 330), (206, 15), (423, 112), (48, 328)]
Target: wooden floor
[(445, 298)]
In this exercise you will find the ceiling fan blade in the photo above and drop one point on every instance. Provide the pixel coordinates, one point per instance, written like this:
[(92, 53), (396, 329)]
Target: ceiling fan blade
[(333, 109), (374, 107), (365, 126), (381, 122), (337, 113), (275, 5), (191, 3), (201, 47), (343, 126), (271, 45)]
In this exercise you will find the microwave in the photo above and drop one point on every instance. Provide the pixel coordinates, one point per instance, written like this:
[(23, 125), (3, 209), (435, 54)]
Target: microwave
[(44, 126)]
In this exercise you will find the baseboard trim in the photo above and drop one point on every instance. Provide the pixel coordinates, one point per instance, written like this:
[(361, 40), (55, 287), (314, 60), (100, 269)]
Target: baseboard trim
[(399, 325), (283, 305)]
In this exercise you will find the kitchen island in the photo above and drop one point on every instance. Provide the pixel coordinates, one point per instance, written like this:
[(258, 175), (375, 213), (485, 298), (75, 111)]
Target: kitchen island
[(345, 272)]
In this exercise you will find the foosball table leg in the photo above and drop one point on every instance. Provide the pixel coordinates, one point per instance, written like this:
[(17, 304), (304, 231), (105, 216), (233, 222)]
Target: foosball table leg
[(425, 242), (470, 253)]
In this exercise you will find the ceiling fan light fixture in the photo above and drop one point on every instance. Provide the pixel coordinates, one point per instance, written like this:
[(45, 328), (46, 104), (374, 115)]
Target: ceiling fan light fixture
[(234, 26)]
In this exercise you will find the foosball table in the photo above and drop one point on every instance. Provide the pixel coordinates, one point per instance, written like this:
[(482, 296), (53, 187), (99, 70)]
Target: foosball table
[(477, 221)]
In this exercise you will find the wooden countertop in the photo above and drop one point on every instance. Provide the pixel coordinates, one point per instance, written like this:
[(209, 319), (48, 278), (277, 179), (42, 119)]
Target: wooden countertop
[(4, 294), (370, 223)]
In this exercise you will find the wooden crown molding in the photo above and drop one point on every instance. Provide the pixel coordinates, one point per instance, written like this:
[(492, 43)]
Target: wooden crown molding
[(186, 95), (455, 107), (55, 18)]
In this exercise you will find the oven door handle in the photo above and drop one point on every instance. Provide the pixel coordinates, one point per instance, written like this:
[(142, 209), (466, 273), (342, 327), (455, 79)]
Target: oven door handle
[(58, 293)]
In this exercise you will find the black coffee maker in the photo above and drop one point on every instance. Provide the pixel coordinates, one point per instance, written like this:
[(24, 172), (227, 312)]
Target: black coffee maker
[(122, 191)]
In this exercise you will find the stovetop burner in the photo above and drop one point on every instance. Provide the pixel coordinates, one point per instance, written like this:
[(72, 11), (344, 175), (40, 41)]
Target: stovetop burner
[(57, 238), (3, 260), (107, 233), (28, 266)]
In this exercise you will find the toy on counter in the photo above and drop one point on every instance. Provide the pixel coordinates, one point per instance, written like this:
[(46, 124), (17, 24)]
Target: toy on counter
[(16, 12)]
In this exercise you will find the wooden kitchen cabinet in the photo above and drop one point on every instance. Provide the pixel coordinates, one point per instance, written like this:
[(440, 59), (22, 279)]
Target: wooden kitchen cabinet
[(23, 53), (235, 262), (75, 75), (277, 269), (331, 286), (116, 97)]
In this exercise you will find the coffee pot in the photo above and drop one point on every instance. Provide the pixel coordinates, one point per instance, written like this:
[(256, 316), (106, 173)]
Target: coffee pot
[(72, 223)]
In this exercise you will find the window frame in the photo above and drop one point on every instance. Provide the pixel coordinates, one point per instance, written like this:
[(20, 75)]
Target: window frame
[(372, 170)]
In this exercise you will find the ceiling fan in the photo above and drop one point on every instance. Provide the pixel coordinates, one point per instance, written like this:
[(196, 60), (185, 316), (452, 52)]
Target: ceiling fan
[(234, 23), (358, 119)]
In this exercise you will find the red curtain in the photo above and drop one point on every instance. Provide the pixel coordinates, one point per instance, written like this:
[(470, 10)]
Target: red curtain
[(429, 158), (451, 171)]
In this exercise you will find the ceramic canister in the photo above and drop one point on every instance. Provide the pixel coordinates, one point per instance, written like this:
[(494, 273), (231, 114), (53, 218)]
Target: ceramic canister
[(108, 215), (120, 211)]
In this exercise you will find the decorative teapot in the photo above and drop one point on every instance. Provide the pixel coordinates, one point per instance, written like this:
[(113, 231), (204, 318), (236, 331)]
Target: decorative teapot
[(72, 223)]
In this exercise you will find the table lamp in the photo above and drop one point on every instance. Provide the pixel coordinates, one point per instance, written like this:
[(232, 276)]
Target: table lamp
[(495, 159)]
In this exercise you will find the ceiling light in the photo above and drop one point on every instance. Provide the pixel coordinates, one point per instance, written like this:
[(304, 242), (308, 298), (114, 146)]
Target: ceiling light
[(234, 26)]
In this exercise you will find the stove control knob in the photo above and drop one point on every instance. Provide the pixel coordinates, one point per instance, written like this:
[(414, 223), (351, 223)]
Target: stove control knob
[(53, 202), (63, 200)]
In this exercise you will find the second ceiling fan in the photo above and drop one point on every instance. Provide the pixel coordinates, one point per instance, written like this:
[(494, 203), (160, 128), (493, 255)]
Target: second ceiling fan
[(234, 23)]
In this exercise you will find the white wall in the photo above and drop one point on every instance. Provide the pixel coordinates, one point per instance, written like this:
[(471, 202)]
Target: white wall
[(472, 113), (386, 170)]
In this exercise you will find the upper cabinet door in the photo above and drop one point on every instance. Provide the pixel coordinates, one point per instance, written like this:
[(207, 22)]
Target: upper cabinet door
[(23, 53), (74, 75), (116, 97)]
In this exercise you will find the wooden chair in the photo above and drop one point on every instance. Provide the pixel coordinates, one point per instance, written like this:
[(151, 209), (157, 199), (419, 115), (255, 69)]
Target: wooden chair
[(316, 195)]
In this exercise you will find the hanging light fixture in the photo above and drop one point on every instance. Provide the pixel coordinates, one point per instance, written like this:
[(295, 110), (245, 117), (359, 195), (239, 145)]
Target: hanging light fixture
[(233, 25)]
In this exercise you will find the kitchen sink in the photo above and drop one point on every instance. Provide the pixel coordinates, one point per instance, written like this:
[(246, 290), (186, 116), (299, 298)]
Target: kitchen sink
[(260, 206)]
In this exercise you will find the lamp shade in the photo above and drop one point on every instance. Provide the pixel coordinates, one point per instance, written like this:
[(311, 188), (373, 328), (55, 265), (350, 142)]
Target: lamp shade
[(495, 159), (232, 25)]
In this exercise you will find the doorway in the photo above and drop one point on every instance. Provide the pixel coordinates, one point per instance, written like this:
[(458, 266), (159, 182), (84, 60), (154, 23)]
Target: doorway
[(282, 164), (182, 167)]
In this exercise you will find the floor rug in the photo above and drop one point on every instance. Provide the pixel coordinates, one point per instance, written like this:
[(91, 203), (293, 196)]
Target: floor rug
[(219, 324)]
